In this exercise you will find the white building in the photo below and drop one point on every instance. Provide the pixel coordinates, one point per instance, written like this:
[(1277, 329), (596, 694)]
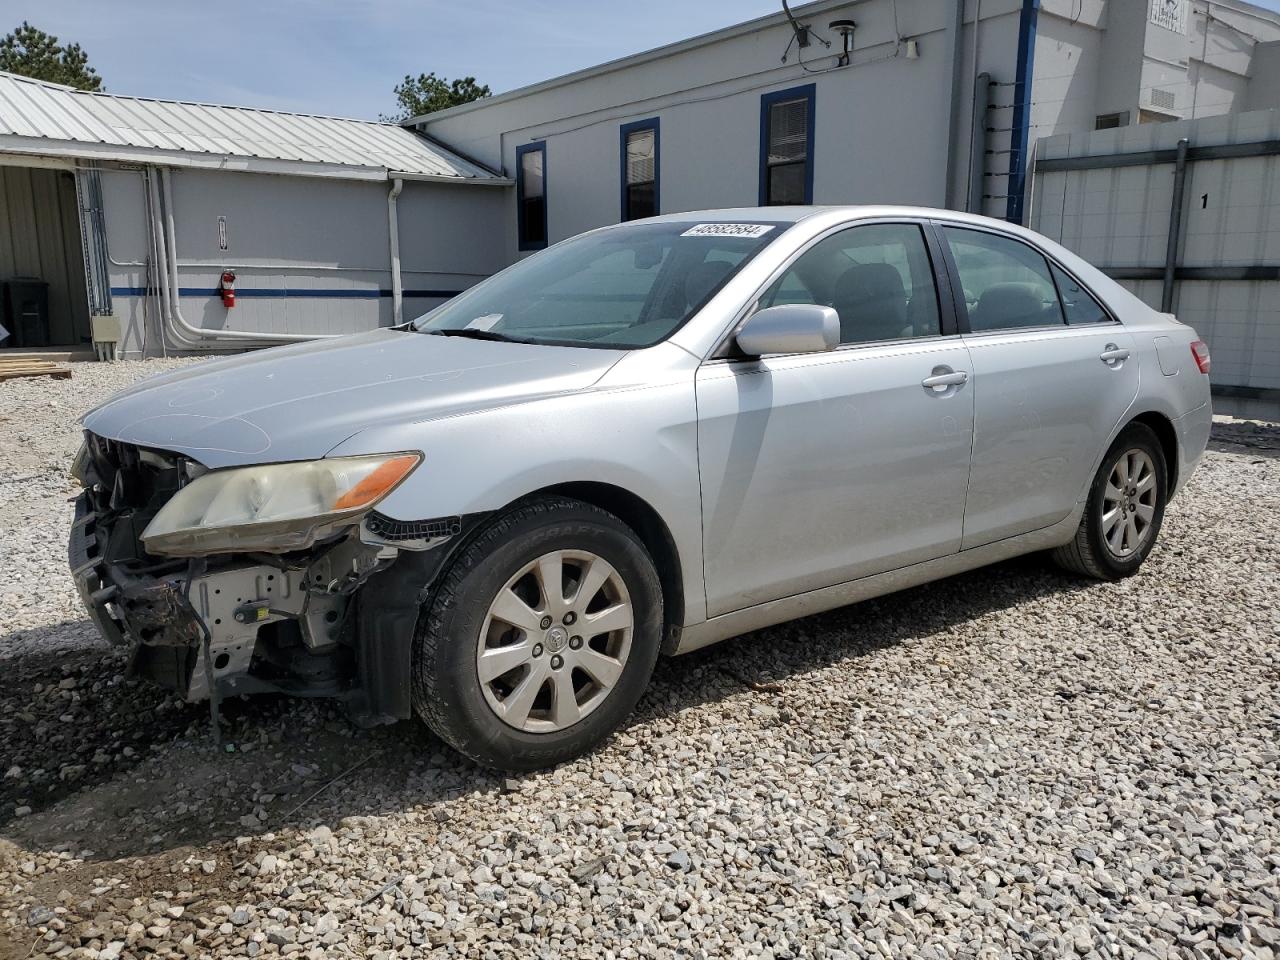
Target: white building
[(333, 226), (748, 114)]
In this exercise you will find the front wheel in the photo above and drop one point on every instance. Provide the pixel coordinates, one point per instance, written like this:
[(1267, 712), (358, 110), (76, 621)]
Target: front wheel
[(540, 638), (1124, 511)]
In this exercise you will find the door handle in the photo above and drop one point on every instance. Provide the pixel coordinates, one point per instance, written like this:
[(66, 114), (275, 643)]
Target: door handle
[(1112, 355), (940, 381)]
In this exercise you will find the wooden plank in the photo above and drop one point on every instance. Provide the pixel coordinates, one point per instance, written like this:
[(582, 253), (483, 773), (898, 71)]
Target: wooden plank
[(12, 367)]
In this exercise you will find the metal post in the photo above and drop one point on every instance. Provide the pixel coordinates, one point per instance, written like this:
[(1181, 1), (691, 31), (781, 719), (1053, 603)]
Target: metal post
[(978, 144), (1175, 226), (393, 229), (956, 60)]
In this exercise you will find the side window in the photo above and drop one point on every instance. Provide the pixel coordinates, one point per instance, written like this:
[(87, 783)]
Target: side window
[(531, 196), (877, 277), (1077, 303), (1006, 283), (786, 146), (639, 169)]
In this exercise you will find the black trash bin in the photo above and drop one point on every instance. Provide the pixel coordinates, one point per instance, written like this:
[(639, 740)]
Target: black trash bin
[(26, 312)]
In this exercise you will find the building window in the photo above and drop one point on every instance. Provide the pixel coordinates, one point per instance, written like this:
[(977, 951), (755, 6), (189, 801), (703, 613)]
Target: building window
[(639, 150), (1109, 121), (786, 146), (531, 195)]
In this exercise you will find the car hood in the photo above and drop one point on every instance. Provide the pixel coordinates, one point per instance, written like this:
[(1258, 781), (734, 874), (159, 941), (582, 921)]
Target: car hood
[(299, 402)]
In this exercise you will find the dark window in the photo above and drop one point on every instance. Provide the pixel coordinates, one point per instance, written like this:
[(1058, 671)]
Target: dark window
[(786, 146), (1109, 121), (1006, 283), (1078, 304), (877, 277), (531, 195), (639, 169)]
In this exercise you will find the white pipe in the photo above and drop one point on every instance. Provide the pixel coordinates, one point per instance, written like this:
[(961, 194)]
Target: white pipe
[(167, 328), (201, 333), (393, 229)]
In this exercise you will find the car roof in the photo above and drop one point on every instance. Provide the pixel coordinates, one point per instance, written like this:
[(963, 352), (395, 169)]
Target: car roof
[(794, 214)]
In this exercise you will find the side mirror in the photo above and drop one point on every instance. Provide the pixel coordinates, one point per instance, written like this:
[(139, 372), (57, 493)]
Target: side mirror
[(789, 328)]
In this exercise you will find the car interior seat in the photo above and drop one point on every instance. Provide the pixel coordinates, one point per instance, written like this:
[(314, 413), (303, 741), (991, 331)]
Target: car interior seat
[(872, 303), (1004, 305)]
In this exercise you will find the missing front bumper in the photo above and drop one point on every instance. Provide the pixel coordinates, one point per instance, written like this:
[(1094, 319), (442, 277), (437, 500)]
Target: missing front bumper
[(270, 628)]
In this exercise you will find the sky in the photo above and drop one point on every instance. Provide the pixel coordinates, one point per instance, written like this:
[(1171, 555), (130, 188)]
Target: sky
[(344, 58)]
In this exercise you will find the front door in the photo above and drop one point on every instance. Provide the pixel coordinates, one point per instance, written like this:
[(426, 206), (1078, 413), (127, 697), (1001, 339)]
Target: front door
[(1053, 374), (822, 468)]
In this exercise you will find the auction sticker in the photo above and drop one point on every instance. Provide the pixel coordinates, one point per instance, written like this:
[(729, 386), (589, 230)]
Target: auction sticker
[(749, 230)]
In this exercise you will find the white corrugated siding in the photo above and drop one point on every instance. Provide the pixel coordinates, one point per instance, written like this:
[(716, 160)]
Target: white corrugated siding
[(36, 110), (1119, 217)]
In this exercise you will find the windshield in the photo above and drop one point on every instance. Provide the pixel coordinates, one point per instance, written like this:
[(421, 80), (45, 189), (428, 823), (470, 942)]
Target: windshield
[(628, 287)]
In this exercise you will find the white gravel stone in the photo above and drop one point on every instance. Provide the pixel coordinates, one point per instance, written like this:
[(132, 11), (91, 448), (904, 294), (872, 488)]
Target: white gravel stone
[(1008, 763)]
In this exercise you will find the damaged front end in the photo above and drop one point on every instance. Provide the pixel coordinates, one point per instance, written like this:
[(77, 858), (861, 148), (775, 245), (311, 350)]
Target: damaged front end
[(299, 605)]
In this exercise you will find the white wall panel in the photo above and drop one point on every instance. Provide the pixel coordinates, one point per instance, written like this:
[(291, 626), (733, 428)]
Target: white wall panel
[(1118, 217)]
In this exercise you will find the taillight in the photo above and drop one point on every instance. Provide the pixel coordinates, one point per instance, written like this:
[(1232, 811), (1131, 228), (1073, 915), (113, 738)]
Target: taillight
[(1200, 353)]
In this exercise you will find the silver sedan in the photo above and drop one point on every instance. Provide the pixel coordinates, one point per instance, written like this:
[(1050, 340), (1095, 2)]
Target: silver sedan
[(641, 441)]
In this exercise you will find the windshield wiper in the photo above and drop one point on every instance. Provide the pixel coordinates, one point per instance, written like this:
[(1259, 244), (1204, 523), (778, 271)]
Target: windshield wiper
[(474, 334)]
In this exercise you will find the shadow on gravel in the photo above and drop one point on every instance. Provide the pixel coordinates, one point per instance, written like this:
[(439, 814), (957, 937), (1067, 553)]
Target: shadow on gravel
[(111, 767), (1248, 438)]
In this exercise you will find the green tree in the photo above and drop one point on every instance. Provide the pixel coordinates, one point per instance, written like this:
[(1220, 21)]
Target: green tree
[(427, 93), (34, 53)]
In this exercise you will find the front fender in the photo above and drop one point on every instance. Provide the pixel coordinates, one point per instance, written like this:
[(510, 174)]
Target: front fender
[(642, 439)]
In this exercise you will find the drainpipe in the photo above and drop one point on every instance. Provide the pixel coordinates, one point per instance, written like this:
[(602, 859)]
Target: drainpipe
[(955, 30), (1021, 132), (978, 144), (183, 329), (167, 327), (393, 228), (1175, 227)]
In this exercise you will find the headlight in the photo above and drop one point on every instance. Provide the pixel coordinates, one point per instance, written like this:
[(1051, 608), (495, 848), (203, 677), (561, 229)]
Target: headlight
[(80, 465), (274, 508)]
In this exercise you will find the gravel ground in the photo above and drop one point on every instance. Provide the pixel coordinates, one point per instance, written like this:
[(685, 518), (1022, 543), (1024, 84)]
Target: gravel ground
[(1007, 763)]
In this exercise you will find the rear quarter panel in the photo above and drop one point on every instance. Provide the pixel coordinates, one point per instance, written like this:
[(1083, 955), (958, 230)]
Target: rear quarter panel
[(1171, 383)]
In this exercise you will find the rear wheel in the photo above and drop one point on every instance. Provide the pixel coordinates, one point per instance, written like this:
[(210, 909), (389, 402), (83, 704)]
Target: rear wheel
[(1124, 511), (540, 638)]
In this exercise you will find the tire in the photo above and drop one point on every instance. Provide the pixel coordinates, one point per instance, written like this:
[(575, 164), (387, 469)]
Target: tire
[(524, 719), (1100, 548)]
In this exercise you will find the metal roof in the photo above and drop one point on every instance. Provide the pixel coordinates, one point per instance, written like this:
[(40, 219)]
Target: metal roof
[(53, 120)]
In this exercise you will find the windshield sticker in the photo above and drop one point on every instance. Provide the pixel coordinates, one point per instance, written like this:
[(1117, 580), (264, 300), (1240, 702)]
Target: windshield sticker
[(487, 322), (749, 230)]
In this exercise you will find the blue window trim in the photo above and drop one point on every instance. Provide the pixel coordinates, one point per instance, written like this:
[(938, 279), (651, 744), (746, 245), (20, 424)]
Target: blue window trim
[(623, 132), (807, 91), (540, 146), (1021, 132)]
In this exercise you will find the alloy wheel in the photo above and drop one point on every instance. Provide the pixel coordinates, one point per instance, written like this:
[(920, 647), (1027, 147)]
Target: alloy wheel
[(555, 641), (1129, 503)]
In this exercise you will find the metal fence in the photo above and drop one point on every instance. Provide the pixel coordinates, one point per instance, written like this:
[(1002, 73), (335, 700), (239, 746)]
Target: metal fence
[(1187, 216)]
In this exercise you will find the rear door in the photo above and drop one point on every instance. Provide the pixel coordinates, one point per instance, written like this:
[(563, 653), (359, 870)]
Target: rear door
[(1053, 374)]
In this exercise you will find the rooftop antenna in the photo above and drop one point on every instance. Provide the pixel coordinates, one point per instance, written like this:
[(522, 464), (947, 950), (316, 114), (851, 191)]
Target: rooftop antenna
[(845, 28), (801, 29), (802, 34)]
